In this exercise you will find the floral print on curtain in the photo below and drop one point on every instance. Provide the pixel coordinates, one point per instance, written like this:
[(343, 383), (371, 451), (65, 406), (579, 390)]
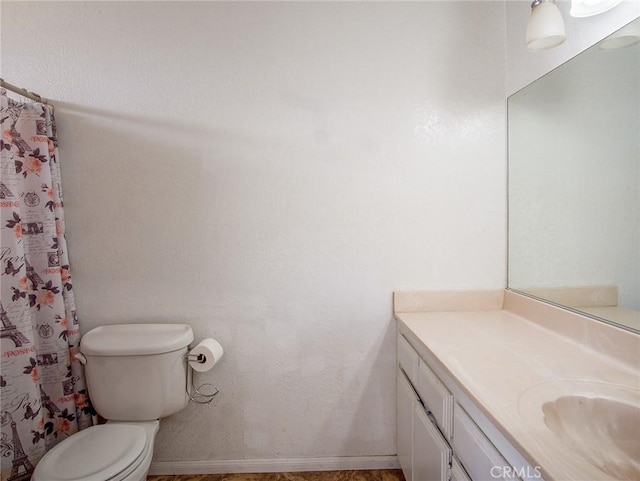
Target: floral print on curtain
[(43, 393)]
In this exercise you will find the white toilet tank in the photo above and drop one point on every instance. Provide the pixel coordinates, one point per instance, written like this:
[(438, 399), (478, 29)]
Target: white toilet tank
[(137, 372)]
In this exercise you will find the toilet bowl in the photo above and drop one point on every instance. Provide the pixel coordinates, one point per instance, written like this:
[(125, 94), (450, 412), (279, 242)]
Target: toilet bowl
[(136, 375), (116, 451)]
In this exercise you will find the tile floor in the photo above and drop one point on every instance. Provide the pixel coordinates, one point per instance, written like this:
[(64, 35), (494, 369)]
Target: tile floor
[(375, 475)]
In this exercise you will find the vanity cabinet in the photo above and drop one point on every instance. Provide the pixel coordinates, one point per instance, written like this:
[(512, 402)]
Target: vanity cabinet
[(479, 457), (406, 399), (432, 453), (437, 399), (437, 440), (423, 452)]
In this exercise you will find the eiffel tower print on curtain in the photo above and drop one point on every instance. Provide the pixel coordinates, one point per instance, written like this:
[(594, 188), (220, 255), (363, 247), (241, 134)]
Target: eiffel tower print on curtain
[(5, 192), (46, 401), (32, 275), (21, 467), (9, 330)]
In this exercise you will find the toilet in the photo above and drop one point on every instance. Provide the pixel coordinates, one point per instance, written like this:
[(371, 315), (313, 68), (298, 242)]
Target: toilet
[(136, 375)]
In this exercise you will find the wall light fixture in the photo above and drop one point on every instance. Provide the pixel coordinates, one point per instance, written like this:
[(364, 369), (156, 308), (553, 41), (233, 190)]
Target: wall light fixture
[(546, 27)]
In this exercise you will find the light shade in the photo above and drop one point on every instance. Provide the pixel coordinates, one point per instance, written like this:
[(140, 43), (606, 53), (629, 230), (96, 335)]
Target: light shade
[(626, 36), (546, 27), (587, 8)]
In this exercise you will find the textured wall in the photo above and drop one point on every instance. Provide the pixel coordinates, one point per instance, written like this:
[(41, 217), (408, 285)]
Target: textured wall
[(270, 173)]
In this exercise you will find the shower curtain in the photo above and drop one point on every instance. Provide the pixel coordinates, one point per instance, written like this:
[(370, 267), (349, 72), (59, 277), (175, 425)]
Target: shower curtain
[(43, 393)]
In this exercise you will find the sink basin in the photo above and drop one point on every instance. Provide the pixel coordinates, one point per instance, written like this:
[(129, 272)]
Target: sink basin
[(603, 431), (595, 421)]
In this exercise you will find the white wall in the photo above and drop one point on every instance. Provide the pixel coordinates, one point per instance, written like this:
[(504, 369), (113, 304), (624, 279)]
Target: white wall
[(525, 66), (270, 173)]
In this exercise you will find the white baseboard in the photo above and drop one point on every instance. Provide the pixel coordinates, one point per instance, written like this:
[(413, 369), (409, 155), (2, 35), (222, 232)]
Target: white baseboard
[(273, 465)]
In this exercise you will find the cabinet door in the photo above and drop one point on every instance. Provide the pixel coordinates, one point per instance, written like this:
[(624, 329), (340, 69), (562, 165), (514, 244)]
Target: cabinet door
[(431, 453), (477, 454), (436, 397), (457, 472), (406, 398)]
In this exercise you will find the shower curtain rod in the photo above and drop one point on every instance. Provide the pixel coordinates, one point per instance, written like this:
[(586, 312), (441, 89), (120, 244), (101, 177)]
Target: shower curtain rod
[(23, 92)]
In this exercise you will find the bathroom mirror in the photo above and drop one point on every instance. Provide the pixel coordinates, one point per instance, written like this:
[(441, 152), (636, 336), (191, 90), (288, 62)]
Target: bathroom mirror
[(574, 183)]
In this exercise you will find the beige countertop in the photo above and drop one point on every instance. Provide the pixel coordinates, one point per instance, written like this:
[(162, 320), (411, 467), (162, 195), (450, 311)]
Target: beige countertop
[(509, 362)]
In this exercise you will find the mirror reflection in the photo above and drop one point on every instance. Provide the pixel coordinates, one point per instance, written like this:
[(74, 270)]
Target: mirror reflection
[(574, 183)]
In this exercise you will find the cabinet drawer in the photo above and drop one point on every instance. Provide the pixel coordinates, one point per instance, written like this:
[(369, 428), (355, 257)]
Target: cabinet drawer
[(436, 397), (479, 457), (407, 358)]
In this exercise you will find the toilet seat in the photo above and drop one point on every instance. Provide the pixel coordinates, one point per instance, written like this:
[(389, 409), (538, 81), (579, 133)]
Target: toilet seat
[(108, 452)]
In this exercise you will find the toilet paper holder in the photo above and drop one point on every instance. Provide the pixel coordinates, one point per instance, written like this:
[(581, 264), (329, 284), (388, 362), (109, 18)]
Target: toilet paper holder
[(201, 358), (204, 355), (194, 394), (199, 397)]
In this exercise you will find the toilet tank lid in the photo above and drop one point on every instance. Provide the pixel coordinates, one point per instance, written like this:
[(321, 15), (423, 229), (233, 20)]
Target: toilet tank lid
[(136, 339)]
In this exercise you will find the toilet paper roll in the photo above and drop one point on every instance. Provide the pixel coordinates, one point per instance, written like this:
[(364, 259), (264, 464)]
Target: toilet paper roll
[(209, 352)]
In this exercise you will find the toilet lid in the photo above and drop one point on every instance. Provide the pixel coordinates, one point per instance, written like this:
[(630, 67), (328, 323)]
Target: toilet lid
[(95, 454)]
